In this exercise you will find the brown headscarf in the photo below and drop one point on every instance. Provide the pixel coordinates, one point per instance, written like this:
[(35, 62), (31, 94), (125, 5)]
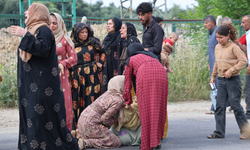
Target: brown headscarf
[(38, 16), (61, 31)]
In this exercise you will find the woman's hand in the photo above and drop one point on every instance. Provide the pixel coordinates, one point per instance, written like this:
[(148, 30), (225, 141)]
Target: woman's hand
[(17, 31), (103, 127), (61, 69), (129, 107), (99, 65), (212, 81), (248, 69), (228, 74)]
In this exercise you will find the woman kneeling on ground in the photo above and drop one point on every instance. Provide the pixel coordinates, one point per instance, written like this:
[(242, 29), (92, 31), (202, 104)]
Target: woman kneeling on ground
[(96, 118)]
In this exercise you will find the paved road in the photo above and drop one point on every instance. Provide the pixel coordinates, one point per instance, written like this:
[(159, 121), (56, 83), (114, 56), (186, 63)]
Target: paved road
[(187, 131)]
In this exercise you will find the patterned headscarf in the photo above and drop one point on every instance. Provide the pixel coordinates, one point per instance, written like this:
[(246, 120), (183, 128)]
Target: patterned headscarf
[(74, 35), (131, 31), (61, 31), (38, 16)]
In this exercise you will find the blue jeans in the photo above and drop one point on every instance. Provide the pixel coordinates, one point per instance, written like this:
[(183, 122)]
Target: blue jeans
[(247, 95), (228, 87)]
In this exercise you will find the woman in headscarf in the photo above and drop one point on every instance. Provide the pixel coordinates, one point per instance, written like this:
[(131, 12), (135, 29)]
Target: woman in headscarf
[(151, 92), (110, 44), (102, 113), (41, 101), (85, 75), (128, 36), (64, 47)]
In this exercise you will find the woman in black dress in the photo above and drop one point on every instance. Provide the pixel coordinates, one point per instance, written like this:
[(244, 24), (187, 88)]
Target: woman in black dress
[(41, 101), (85, 77), (110, 44)]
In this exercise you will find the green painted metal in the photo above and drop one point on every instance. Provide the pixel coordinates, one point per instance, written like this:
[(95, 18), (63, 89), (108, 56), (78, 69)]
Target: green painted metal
[(64, 9), (12, 16), (73, 9), (30, 2), (21, 12), (64, 15)]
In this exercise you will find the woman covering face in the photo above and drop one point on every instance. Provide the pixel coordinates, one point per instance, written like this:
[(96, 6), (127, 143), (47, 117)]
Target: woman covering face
[(41, 100), (85, 80), (64, 47), (110, 46)]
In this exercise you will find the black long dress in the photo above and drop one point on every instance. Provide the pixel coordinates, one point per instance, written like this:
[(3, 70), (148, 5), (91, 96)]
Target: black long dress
[(41, 100), (110, 68), (110, 43)]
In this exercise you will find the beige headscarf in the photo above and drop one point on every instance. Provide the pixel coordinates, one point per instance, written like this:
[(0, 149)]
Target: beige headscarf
[(38, 16), (61, 31), (116, 85)]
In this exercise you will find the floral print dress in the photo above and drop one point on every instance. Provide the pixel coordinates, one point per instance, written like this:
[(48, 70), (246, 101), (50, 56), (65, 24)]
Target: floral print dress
[(85, 80)]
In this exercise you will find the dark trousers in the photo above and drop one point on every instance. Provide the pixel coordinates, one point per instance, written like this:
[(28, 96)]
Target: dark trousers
[(247, 95), (228, 87)]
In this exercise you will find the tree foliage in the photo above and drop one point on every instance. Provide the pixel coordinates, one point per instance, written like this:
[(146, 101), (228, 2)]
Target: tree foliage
[(234, 9)]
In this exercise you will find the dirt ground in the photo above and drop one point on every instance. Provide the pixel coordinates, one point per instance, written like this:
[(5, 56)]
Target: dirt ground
[(10, 117)]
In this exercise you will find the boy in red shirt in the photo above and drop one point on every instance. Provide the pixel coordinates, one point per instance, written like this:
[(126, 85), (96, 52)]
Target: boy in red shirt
[(167, 49)]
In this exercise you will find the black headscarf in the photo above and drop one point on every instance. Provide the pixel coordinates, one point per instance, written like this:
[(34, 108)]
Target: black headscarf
[(112, 36), (74, 35), (131, 32), (124, 43), (137, 48)]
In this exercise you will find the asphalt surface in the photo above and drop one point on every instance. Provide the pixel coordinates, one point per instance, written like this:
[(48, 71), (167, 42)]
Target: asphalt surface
[(187, 131)]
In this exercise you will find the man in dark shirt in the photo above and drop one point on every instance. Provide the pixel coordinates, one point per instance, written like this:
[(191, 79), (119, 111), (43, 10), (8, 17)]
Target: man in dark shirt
[(152, 31)]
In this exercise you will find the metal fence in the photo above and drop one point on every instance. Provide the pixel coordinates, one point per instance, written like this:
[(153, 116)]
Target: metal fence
[(185, 28)]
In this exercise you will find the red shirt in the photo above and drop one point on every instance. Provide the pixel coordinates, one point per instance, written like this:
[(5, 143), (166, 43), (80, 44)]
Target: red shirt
[(243, 40), (169, 41)]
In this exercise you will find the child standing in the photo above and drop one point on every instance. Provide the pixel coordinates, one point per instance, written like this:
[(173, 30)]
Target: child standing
[(167, 48), (230, 60)]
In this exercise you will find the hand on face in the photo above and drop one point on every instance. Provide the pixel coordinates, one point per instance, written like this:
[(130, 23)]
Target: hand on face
[(17, 31)]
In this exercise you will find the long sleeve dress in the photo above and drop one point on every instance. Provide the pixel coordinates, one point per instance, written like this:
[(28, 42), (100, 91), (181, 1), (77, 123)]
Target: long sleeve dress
[(63, 49), (151, 92), (85, 80), (41, 100), (110, 68), (102, 111)]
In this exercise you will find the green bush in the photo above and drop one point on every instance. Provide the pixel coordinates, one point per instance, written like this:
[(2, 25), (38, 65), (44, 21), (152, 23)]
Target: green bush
[(190, 80), (8, 87)]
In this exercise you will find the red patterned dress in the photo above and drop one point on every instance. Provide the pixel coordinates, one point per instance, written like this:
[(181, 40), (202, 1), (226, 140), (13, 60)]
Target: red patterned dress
[(151, 92), (63, 48), (85, 79)]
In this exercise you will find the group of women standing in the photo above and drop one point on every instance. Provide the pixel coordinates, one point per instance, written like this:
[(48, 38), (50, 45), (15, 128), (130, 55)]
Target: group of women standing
[(58, 75)]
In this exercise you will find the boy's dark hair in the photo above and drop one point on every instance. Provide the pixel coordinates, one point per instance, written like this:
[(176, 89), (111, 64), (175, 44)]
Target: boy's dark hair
[(158, 19), (144, 7), (210, 18)]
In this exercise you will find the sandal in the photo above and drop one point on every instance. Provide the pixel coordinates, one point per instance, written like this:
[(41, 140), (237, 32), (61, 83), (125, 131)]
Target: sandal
[(244, 137), (82, 144), (209, 112), (214, 136), (73, 132)]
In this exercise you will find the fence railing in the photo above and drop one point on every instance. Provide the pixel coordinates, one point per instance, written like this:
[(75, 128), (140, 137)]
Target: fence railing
[(9, 43)]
